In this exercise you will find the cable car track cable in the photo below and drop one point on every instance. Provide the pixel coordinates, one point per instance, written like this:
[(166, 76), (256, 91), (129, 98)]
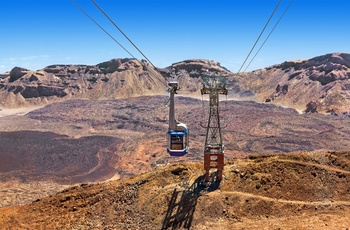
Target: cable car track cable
[(105, 14), (132, 43), (290, 3), (82, 10), (268, 21)]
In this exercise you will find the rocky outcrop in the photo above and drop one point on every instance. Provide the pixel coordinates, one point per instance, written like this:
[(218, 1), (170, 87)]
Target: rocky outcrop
[(189, 72), (43, 91), (323, 80), (196, 68), (118, 65), (324, 69), (281, 90), (116, 78), (311, 107), (16, 73)]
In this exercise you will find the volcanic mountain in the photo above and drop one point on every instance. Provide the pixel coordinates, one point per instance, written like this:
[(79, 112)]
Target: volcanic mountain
[(319, 84)]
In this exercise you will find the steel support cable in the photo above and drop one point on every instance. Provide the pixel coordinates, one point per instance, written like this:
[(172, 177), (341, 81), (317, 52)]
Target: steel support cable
[(290, 3), (81, 9), (268, 21), (121, 31)]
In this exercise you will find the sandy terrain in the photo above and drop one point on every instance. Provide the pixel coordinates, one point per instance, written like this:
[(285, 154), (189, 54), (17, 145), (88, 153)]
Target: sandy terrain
[(18, 111)]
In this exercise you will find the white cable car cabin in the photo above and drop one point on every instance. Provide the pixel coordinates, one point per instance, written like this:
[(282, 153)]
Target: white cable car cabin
[(178, 140)]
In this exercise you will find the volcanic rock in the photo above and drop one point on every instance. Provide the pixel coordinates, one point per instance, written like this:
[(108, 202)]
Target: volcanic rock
[(311, 107), (117, 78), (17, 72), (198, 67), (324, 80)]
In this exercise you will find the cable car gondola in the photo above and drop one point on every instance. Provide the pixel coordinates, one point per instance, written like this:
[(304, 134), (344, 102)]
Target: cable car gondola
[(178, 139)]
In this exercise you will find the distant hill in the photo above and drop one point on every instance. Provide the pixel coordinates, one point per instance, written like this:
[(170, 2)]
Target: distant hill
[(320, 84), (117, 78)]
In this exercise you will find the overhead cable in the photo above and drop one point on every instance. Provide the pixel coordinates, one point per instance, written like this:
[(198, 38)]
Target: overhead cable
[(290, 3), (117, 41), (122, 33), (268, 21), (101, 28)]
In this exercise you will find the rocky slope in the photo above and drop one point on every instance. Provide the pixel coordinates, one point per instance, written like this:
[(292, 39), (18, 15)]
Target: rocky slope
[(319, 84), (117, 78), (289, 191), (80, 141)]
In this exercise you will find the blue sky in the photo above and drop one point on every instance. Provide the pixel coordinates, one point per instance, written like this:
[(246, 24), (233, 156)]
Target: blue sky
[(37, 33)]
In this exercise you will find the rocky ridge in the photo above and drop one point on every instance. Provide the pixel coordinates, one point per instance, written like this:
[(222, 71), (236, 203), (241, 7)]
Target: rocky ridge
[(320, 84), (117, 78)]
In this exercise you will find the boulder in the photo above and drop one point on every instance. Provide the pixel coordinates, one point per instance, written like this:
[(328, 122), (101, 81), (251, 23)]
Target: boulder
[(311, 107)]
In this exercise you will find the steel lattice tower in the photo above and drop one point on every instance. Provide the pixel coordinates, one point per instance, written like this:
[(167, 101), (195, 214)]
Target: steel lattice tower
[(213, 148)]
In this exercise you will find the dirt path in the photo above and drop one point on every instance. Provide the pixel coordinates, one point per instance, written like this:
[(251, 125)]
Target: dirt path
[(18, 111), (326, 167), (250, 195)]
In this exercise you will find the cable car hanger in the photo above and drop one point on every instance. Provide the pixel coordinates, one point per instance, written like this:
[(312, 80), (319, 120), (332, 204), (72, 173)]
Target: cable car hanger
[(178, 135)]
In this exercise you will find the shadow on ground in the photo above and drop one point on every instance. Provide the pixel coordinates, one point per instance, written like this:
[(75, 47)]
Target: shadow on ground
[(183, 203)]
